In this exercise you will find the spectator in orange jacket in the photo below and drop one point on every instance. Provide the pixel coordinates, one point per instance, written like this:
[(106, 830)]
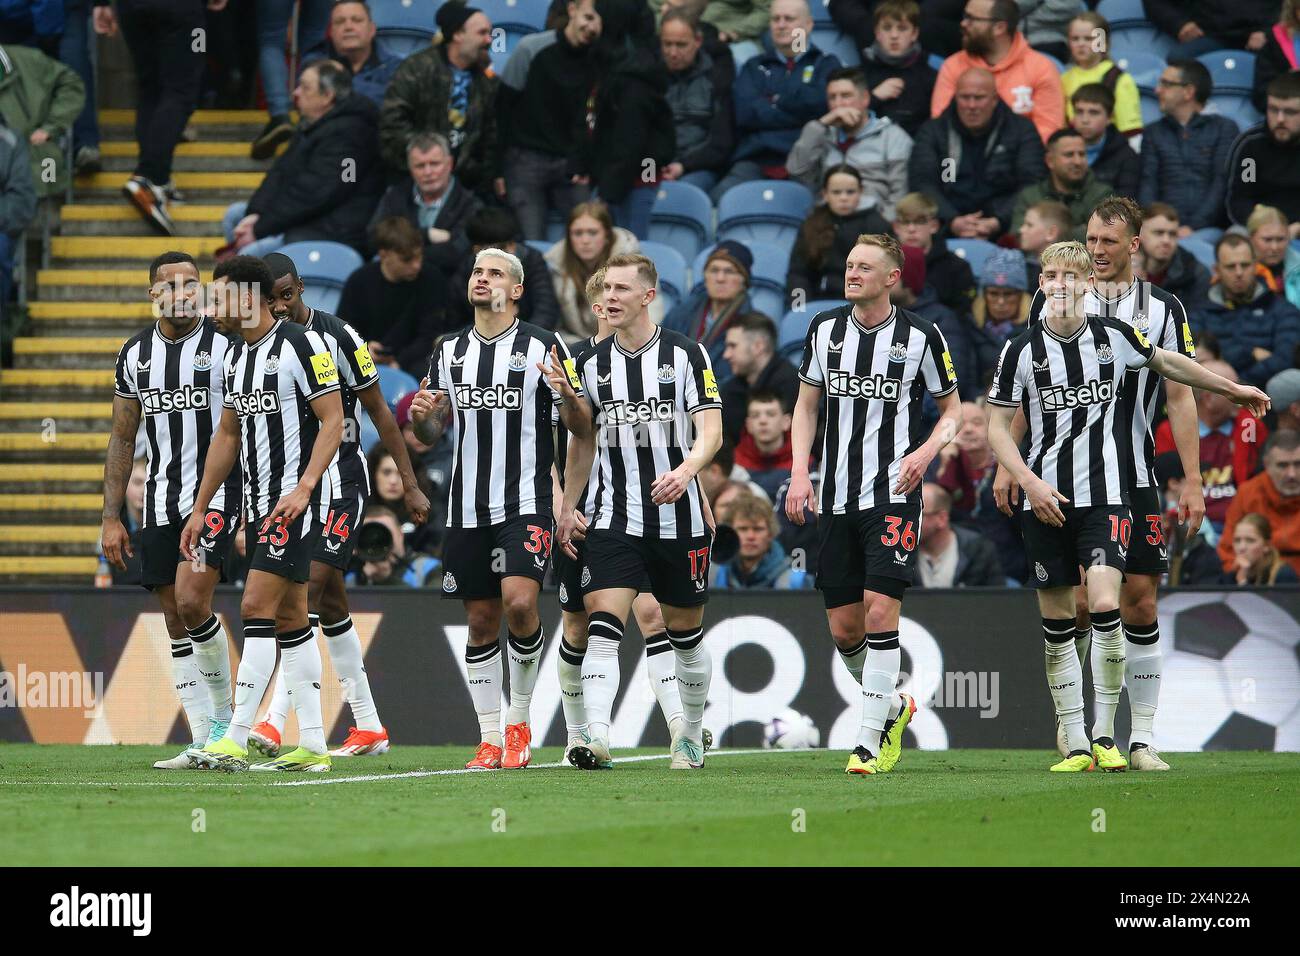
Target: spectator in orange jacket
[(1276, 495), (1027, 81)]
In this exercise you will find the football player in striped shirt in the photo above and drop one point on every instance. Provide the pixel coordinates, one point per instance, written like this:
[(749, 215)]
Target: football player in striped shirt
[(346, 486), (284, 419), (169, 376), (503, 409), (1132, 657), (1068, 374), (650, 388), (873, 362)]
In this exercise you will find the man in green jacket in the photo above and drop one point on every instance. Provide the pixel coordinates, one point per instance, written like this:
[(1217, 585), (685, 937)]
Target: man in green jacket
[(40, 99), (738, 19), (17, 204), (1069, 181)]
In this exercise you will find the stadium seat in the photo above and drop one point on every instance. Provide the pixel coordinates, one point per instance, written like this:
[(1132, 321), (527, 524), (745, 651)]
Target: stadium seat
[(405, 26), (554, 227), (1209, 234), (1150, 107), (793, 327), (323, 267), (1060, 67), (744, 50), (1230, 70), (1237, 107), (395, 384), (525, 16), (1144, 67), (671, 264), (682, 217), (974, 251), (541, 245), (935, 61), (767, 278), (820, 14), (833, 41), (1130, 28), (1203, 251), (769, 210)]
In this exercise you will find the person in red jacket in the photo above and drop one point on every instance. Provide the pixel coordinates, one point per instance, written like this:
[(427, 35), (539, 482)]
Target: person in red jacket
[(1275, 494), (765, 450), (1230, 442)]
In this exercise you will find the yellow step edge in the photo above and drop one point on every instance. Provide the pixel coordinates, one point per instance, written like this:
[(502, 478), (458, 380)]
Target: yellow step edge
[(48, 310), (51, 502), (68, 441), (36, 566), (113, 277), (182, 180), (122, 149), (198, 117), (53, 377), (121, 212), (49, 533), (53, 344), (131, 247), (46, 472), (55, 410)]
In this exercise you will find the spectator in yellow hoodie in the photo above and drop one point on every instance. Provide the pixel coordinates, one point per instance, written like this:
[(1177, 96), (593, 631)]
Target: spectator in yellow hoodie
[(1089, 40)]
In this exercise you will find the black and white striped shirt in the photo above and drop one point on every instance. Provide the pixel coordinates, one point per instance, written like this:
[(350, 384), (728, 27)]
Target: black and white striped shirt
[(1162, 320), (270, 384), (874, 380), (180, 388), (503, 417), (347, 473), (1071, 391), (642, 403)]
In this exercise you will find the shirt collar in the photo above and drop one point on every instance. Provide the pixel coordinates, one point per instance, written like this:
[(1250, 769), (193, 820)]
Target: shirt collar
[(1224, 429)]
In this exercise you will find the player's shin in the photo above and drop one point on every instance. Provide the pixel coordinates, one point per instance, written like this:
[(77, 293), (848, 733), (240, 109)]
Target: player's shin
[(344, 645), (212, 655), (1142, 670), (879, 678), (302, 672), (571, 697), (661, 670), (1065, 680), (1107, 671), (190, 689), (600, 672), (483, 665), (694, 668), (256, 664), (525, 654)]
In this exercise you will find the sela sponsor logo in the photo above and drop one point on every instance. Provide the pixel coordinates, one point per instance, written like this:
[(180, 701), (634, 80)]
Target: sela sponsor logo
[(496, 396), (24, 689), (843, 384), (77, 909), (202, 361), (618, 412), (256, 403), (160, 401), (1060, 398)]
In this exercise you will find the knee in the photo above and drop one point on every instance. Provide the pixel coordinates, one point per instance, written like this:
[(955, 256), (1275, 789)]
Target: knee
[(332, 607), (521, 615), (191, 609), (1140, 611), (483, 627), (882, 615), (1104, 604)]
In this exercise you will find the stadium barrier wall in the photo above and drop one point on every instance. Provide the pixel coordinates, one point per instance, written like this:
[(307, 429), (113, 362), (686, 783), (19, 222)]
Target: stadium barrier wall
[(88, 666)]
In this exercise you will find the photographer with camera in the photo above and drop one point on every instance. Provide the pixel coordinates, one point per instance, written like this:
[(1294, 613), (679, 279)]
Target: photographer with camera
[(381, 558)]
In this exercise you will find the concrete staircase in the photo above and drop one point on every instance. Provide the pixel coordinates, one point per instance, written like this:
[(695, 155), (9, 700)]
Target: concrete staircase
[(56, 402)]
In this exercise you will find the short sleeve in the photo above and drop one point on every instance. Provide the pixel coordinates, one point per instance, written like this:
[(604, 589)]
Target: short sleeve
[(228, 379), (124, 377), (437, 372), (936, 364), (569, 365), (1131, 345), (316, 372), (701, 384), (355, 362), (810, 367), (1008, 386), (1178, 332)]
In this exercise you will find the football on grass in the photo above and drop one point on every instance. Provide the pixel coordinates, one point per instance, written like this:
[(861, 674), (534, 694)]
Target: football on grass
[(791, 730)]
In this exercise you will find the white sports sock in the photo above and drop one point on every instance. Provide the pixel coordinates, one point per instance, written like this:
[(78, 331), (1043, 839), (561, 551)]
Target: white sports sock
[(256, 665), (524, 654), (190, 689), (1142, 670), (302, 672), (281, 702), (344, 646), (854, 659), (879, 678), (694, 668), (1107, 671), (661, 671), (484, 666), (1065, 680), (575, 710), (212, 656), (600, 671), (1083, 642)]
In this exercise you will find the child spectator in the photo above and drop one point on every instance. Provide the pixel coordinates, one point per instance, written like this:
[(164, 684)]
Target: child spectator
[(1110, 157), (1278, 262), (1089, 41), (765, 450), (761, 562), (827, 237), (916, 223), (1045, 222), (898, 71), (1256, 563)]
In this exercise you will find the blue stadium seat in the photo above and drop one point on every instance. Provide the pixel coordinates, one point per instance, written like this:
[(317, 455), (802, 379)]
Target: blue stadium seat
[(405, 26), (793, 327), (1237, 107), (1060, 67), (833, 41), (1150, 107), (671, 264), (974, 251), (1232, 71), (744, 50), (770, 210), (323, 267), (554, 227), (1130, 29), (1203, 251), (395, 384), (682, 217), (1209, 234), (820, 14), (935, 61), (1144, 67), (526, 15), (541, 245)]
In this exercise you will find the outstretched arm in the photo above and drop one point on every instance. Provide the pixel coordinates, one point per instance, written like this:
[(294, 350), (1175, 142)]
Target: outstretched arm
[(1180, 368)]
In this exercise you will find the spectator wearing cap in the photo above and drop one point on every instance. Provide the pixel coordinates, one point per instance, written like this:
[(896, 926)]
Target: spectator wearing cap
[(351, 43), (913, 293), (1069, 181), (1258, 330), (1165, 263), (776, 93), (750, 352), (495, 227), (432, 200), (851, 134), (916, 223), (448, 88), (706, 314), (1272, 151), (699, 94), (1284, 392), (951, 556), (974, 157), (1231, 438), (1185, 153), (828, 235), (1002, 308), (398, 301), (1275, 494)]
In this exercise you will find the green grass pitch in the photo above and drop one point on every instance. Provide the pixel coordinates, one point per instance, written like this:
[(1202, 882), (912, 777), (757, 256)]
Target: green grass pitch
[(72, 805)]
